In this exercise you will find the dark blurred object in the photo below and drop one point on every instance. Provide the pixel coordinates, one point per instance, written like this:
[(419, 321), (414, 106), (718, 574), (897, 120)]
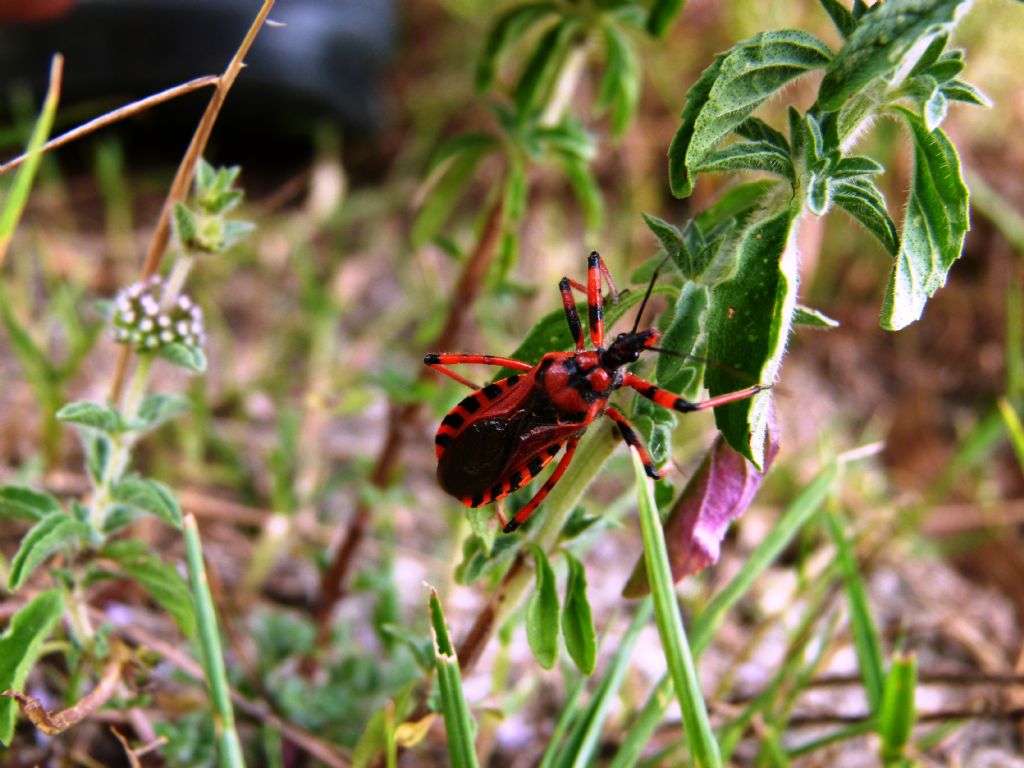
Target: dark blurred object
[(323, 62)]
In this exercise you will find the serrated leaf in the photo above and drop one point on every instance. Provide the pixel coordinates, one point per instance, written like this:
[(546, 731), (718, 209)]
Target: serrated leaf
[(508, 28), (159, 408), (162, 581), (43, 539), (934, 226), (20, 503), (148, 497), (577, 622), (92, 416), (748, 155), (663, 13), (542, 612), (620, 83), (28, 629), (542, 67), (845, 21), (755, 129), (730, 89), (958, 90), (860, 198), (184, 356), (813, 318), (682, 334), (855, 165), (880, 42), (748, 323)]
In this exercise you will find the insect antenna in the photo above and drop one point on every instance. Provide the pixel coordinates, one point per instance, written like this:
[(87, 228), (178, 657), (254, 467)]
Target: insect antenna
[(650, 287)]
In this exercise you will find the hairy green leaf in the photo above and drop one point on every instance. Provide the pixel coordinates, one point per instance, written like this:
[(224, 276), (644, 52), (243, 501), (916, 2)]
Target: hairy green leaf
[(28, 629), (755, 129), (855, 165), (509, 27), (738, 82), (190, 358), (92, 416), (861, 199), (157, 409), (880, 43), (958, 90), (813, 318), (577, 623), (845, 21), (162, 581), (542, 613), (681, 335), (20, 503), (934, 226), (43, 539), (748, 323), (148, 497), (748, 155)]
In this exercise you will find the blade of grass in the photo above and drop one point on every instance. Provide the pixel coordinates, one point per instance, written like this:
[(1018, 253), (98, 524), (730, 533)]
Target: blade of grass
[(669, 619), (792, 520), (571, 714), (842, 734), (230, 748), (584, 739), (1014, 337), (18, 195), (457, 720), (1013, 426), (865, 634), (896, 720)]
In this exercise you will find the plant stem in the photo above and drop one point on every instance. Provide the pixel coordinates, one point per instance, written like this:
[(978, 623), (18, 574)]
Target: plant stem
[(230, 747)]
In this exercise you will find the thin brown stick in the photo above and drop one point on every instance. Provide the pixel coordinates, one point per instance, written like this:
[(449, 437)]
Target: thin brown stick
[(186, 169), (114, 116), (333, 582)]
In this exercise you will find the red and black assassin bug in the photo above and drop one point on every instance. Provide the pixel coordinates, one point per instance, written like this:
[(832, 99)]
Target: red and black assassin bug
[(500, 437)]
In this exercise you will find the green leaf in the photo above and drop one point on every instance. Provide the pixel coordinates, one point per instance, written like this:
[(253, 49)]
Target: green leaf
[(934, 226), (945, 70), (542, 613), (458, 722), (755, 129), (92, 416), (577, 623), (186, 225), (148, 497), (190, 358), (863, 200), (663, 13), (157, 409), (668, 235), (898, 712), (43, 539), (813, 318), (20, 503), (541, 69), (845, 21), (682, 334), (935, 109), (855, 165), (880, 43), (931, 54), (748, 325), (958, 90), (509, 27), (620, 83), (453, 176), (28, 629), (160, 580), (738, 82), (748, 155), (97, 454), (818, 194), (569, 140)]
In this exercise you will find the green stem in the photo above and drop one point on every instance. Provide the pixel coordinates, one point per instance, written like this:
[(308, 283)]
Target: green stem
[(213, 656)]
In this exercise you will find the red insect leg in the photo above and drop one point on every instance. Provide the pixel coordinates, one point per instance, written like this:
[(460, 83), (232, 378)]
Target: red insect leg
[(595, 303), (439, 363), (571, 315), (667, 399), (563, 464), (631, 437)]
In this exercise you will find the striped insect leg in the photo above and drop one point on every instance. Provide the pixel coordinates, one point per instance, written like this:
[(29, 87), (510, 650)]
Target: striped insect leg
[(668, 399), (440, 362), (595, 304), (523, 514), (571, 315), (629, 434)]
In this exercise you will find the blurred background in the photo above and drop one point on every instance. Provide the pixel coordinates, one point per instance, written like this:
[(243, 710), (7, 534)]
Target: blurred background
[(319, 321)]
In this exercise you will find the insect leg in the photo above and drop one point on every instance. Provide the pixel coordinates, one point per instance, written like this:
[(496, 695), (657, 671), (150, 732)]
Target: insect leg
[(571, 315), (563, 464), (667, 399), (632, 438), (440, 362), (595, 305)]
